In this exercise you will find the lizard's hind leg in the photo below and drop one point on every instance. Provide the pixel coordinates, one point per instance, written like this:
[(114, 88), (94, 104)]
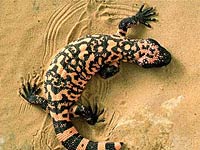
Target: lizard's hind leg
[(89, 113), (30, 90)]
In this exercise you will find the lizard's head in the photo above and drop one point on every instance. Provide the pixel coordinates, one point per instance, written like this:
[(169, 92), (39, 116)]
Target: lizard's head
[(151, 54)]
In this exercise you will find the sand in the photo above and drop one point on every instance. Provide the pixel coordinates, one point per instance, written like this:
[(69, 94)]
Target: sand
[(148, 109)]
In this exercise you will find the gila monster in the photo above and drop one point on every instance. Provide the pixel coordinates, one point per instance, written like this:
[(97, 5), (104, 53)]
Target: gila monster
[(74, 66)]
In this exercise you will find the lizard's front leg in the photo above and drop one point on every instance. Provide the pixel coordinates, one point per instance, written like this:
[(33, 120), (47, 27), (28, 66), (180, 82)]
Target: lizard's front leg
[(143, 16), (109, 70)]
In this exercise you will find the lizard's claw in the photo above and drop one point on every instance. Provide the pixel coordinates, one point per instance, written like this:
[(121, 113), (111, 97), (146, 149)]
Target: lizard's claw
[(29, 91), (145, 15), (93, 115)]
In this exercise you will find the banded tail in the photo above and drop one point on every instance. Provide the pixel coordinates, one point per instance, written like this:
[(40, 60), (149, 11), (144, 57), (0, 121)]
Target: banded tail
[(72, 140)]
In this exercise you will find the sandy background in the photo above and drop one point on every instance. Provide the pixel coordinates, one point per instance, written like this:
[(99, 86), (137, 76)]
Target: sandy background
[(153, 109)]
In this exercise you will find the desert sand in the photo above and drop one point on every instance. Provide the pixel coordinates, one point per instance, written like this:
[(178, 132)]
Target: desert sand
[(147, 109)]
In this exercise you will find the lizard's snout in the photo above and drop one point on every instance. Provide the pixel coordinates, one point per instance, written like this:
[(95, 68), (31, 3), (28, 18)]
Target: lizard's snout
[(165, 56)]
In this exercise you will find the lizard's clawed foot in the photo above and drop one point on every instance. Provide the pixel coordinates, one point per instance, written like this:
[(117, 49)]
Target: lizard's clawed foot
[(94, 115), (30, 87), (145, 15), (91, 115)]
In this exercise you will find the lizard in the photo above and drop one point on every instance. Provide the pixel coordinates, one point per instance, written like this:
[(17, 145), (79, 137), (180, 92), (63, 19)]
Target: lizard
[(75, 64)]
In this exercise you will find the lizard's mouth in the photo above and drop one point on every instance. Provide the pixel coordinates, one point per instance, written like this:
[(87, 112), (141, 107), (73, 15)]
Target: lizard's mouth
[(164, 58)]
